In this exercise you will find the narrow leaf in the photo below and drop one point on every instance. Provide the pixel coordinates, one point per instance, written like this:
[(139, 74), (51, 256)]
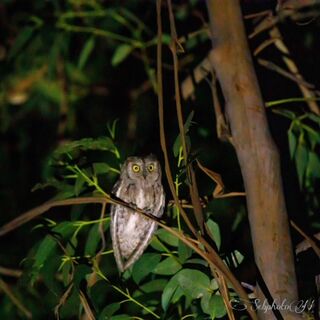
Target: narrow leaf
[(314, 165), (169, 292), (154, 286), (144, 266), (292, 143), (167, 237), (168, 266), (100, 168), (121, 54), (20, 41), (109, 310), (184, 251), (214, 306), (214, 232), (301, 159), (79, 185), (85, 52)]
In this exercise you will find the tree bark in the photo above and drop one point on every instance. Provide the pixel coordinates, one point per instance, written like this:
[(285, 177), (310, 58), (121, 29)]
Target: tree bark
[(257, 154)]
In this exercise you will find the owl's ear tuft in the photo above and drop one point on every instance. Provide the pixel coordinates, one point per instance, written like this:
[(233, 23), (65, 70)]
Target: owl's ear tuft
[(132, 159), (151, 157)]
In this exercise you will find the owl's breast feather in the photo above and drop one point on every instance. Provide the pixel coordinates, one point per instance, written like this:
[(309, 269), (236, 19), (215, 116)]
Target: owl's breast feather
[(141, 199), (131, 223)]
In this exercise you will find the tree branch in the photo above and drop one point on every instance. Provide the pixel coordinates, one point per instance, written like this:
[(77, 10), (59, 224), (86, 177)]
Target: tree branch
[(257, 154)]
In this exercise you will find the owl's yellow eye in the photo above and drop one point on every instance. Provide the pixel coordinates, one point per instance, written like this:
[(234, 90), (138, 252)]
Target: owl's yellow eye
[(150, 167), (135, 168)]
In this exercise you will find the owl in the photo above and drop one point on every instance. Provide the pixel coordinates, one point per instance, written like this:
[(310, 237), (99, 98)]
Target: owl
[(140, 186)]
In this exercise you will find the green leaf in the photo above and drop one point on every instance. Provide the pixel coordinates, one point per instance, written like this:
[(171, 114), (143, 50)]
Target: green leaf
[(292, 143), (170, 293), (188, 282), (205, 304), (48, 244), (154, 286), (184, 252), (102, 143), (64, 194), (194, 41), (178, 143), (182, 13), (70, 308), (121, 54), (94, 238), (100, 168), (109, 310), (167, 237), (66, 271), (80, 274), (49, 90), (237, 257), (46, 247), (314, 165), (157, 244), (314, 117), (121, 317), (86, 51), (49, 272), (166, 38), (214, 285), (144, 266), (51, 182), (214, 232), (21, 40), (314, 137), (65, 228), (301, 159), (168, 266), (214, 306), (112, 128), (198, 261), (289, 114), (193, 282), (79, 185)]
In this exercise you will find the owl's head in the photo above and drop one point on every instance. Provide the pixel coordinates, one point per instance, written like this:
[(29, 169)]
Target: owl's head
[(145, 169)]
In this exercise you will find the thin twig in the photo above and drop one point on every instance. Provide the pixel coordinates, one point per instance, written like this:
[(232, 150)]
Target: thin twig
[(101, 229), (10, 272), (272, 66), (193, 188), (308, 239), (6, 289), (161, 123), (88, 312), (35, 212), (293, 68)]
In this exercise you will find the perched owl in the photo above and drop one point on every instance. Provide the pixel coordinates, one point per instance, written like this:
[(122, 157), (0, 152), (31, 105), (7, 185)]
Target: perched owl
[(139, 185)]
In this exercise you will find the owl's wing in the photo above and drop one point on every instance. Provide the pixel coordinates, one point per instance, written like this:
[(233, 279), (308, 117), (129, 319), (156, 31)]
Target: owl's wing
[(116, 187), (161, 201), (158, 212), (142, 246), (113, 228), (115, 244)]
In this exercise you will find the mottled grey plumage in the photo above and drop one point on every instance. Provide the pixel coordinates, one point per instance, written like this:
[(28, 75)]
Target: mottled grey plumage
[(140, 185)]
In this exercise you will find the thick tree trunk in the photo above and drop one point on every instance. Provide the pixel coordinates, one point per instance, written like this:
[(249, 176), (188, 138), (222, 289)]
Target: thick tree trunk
[(257, 154)]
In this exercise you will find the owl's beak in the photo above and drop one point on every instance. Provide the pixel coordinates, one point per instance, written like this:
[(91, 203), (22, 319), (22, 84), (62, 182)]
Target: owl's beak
[(144, 173)]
